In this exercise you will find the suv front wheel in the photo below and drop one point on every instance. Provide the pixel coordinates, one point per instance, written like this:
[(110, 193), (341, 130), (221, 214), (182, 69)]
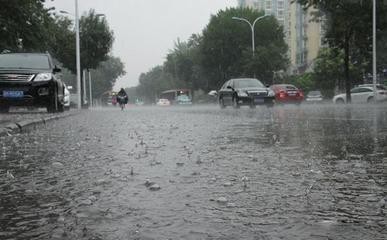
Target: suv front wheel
[(4, 109), (53, 104), (235, 103)]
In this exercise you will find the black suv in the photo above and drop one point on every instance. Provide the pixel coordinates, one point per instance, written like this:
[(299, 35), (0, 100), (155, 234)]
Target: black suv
[(245, 91), (30, 79)]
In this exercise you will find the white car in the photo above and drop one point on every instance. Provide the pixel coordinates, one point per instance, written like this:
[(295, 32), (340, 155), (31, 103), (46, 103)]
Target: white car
[(163, 102), (363, 94), (67, 97), (314, 96)]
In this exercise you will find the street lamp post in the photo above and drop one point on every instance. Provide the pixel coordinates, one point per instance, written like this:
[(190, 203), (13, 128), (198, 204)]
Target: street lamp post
[(252, 26), (374, 73), (90, 91), (78, 54)]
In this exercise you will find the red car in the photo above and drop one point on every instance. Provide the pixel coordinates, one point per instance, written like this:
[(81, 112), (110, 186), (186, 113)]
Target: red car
[(287, 93)]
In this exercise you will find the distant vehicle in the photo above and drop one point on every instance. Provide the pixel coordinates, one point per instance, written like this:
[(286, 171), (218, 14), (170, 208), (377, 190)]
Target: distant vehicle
[(139, 102), (32, 80), (314, 96), (287, 93), (378, 86), (114, 100), (183, 100), (244, 91), (362, 94), (163, 102), (173, 94)]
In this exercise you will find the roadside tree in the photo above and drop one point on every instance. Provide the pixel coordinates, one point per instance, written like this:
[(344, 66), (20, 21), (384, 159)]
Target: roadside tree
[(226, 47)]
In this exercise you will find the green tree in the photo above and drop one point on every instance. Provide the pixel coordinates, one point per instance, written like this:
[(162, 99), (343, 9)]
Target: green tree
[(184, 64), (226, 47), (349, 28), (152, 83), (96, 40), (24, 25), (106, 74)]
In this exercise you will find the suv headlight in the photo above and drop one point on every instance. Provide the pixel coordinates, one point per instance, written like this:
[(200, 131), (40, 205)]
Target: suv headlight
[(242, 94), (271, 93), (43, 77)]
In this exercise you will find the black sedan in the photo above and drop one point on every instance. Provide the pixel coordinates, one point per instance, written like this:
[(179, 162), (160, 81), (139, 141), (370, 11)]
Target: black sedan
[(30, 79), (245, 91)]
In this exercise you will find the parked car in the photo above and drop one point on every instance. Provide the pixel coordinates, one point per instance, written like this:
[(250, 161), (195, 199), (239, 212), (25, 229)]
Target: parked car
[(31, 80), (362, 94), (287, 93), (183, 100), (314, 97), (163, 102), (67, 97), (245, 91)]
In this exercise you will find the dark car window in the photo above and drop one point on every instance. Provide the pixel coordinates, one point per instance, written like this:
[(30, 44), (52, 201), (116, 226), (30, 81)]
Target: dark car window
[(24, 61), (290, 87), (355, 90), (365, 90), (247, 83), (225, 85)]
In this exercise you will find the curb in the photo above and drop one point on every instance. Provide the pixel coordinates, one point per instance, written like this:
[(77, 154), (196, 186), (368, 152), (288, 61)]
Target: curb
[(32, 124)]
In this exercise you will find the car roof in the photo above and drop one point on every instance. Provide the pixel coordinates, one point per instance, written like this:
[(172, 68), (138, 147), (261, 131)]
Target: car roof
[(26, 53), (241, 79)]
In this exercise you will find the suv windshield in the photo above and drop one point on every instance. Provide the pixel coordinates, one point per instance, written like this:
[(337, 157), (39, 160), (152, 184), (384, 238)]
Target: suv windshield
[(24, 61), (247, 83)]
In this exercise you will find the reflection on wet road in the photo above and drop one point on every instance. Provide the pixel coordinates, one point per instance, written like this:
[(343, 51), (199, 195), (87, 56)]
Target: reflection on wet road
[(291, 172)]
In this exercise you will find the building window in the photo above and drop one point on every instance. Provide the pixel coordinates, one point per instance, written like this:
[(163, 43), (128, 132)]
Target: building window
[(268, 5), (280, 5)]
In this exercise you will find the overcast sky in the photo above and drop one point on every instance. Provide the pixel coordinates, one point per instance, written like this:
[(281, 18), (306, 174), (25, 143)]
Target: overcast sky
[(145, 30)]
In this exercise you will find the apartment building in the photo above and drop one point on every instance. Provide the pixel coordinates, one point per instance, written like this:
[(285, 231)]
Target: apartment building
[(303, 36)]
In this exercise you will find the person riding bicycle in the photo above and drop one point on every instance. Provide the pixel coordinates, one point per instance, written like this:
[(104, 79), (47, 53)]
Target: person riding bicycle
[(122, 97)]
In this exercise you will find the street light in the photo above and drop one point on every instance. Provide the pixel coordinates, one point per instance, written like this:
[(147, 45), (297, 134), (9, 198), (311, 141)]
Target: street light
[(77, 53), (374, 50), (252, 28), (78, 56)]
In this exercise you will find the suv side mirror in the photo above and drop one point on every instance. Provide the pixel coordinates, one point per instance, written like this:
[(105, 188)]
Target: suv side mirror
[(56, 70)]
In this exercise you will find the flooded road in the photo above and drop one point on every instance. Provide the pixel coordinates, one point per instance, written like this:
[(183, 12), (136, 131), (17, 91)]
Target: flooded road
[(291, 172)]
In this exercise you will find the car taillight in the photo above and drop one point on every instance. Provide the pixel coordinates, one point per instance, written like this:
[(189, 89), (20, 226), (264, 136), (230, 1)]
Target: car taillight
[(301, 94), (282, 94)]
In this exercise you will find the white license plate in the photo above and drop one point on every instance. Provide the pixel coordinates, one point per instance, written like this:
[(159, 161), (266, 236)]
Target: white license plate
[(13, 94)]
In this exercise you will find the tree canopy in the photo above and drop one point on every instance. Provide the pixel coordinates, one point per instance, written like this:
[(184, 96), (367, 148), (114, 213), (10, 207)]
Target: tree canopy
[(222, 51), (349, 28), (226, 46)]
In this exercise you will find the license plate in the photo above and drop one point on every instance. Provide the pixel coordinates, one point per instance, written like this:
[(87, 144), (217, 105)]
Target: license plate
[(259, 100), (13, 94)]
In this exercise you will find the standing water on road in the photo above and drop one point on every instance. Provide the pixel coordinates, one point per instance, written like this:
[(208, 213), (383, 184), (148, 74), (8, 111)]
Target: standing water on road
[(290, 172)]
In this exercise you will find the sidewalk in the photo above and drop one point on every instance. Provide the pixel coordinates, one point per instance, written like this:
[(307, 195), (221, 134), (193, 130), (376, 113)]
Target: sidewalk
[(18, 121)]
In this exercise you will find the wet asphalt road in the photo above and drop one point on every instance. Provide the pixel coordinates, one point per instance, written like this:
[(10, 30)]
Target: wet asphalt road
[(291, 172)]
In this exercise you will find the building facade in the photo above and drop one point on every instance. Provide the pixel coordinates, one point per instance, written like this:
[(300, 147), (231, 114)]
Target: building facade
[(302, 34)]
